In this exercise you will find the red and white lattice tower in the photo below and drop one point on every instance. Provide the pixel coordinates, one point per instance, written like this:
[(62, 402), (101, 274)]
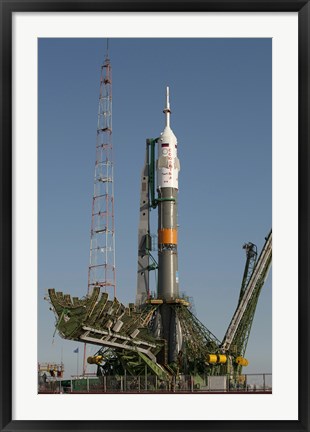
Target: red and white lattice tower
[(101, 270)]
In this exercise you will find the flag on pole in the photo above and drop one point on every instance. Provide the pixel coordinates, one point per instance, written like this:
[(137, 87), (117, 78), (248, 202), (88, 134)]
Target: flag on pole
[(76, 350)]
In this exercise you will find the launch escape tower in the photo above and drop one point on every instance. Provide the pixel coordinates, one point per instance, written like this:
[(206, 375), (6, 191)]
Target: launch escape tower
[(159, 333), (101, 271)]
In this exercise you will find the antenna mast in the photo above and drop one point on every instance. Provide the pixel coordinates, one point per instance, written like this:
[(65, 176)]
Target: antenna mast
[(101, 270)]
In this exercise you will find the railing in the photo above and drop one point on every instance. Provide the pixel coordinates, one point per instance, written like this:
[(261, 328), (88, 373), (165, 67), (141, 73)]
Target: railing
[(250, 383)]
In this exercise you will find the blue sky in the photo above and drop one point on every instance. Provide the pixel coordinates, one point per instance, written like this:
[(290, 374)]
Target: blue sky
[(220, 94)]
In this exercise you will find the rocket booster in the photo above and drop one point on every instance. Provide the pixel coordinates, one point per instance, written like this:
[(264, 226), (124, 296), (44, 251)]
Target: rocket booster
[(168, 167)]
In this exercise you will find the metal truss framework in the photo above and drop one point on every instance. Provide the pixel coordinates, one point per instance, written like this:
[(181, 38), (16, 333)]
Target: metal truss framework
[(102, 244)]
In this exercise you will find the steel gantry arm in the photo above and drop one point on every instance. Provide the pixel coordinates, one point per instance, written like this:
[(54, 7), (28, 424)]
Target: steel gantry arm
[(237, 334), (146, 261)]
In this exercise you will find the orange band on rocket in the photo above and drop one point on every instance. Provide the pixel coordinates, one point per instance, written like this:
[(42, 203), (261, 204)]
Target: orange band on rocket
[(168, 236)]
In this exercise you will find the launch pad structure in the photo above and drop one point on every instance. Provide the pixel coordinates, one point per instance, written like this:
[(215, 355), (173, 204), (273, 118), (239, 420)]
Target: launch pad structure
[(158, 335)]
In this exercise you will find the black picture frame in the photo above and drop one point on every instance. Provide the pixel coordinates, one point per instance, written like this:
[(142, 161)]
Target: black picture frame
[(7, 9)]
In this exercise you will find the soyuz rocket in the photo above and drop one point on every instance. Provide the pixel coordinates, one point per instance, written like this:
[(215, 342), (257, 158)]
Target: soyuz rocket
[(168, 167), (166, 323)]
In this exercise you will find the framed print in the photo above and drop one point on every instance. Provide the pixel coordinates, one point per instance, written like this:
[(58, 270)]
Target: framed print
[(121, 305)]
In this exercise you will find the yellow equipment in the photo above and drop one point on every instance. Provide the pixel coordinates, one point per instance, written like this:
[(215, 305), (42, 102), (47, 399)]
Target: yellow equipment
[(216, 358), (95, 359), (242, 361)]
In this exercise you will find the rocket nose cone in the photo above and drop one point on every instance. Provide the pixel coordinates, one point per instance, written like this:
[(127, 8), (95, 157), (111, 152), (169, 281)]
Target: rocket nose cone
[(168, 136)]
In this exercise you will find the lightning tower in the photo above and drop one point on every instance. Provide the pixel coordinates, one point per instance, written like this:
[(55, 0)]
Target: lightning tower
[(101, 270)]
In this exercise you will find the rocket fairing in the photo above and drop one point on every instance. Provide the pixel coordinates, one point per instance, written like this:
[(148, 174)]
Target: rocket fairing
[(168, 167)]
